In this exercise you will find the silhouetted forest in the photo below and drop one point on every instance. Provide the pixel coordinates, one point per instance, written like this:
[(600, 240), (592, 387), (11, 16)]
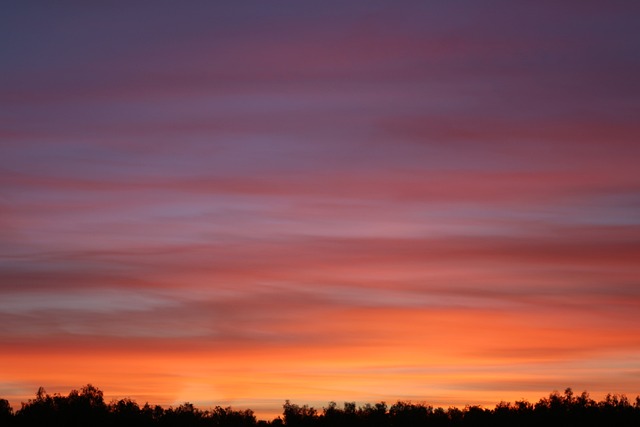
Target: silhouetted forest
[(87, 407)]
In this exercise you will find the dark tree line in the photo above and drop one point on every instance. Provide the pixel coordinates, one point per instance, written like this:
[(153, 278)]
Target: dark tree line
[(86, 407)]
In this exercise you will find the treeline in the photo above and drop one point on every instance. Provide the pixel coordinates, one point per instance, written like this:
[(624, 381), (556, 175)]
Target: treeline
[(87, 407)]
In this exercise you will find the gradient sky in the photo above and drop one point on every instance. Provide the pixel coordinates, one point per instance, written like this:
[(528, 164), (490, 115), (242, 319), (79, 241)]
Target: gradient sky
[(238, 203)]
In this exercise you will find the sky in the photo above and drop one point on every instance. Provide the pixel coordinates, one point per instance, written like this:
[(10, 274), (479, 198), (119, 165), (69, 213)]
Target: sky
[(238, 203)]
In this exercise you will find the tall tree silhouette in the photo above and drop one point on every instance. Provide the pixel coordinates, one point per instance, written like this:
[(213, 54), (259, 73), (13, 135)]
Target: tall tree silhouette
[(6, 413)]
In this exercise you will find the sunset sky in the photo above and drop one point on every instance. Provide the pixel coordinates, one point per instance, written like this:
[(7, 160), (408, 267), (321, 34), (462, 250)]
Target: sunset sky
[(237, 203)]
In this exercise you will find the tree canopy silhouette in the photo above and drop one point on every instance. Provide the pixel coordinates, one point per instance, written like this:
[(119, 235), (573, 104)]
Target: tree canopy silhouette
[(86, 407)]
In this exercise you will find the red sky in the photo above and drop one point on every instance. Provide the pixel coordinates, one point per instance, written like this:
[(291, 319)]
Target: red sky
[(246, 203)]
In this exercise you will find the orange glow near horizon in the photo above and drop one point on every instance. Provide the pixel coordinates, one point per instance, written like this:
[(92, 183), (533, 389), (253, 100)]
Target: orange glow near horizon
[(407, 355)]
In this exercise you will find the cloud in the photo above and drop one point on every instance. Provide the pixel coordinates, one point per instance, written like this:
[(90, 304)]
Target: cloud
[(358, 201)]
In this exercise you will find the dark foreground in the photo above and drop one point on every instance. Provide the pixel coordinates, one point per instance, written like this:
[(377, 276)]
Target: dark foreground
[(87, 407)]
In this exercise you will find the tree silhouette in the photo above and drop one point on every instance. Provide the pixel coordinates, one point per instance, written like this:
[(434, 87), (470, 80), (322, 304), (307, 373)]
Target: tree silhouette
[(406, 414), (298, 416), (374, 415), (227, 417), (86, 407), (127, 413), (6, 413)]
